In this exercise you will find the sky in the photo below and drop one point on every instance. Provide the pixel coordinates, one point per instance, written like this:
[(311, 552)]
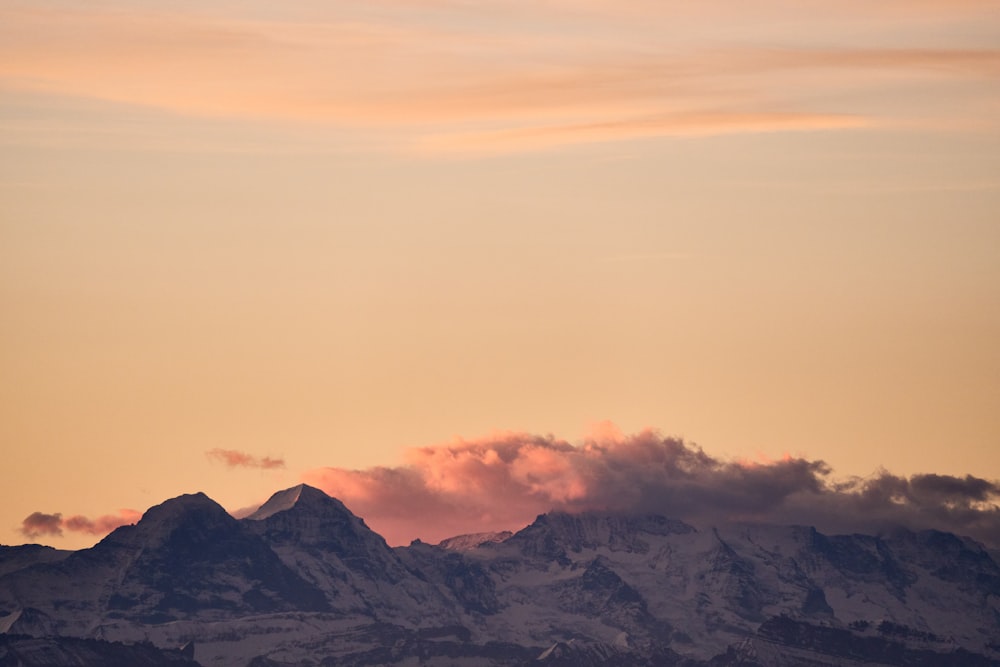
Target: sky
[(364, 245)]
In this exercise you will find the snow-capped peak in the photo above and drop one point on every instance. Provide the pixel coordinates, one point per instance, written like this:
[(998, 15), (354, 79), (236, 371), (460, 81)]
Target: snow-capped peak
[(285, 500)]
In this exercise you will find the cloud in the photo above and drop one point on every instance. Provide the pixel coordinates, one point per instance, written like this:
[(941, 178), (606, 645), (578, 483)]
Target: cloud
[(101, 525), (503, 481), (691, 124), (464, 77), (39, 524), (234, 458)]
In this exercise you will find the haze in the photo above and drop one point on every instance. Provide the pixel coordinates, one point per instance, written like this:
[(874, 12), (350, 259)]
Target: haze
[(241, 244)]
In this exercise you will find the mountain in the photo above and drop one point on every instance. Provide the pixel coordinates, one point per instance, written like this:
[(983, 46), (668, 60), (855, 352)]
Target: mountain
[(474, 540), (186, 558), (303, 581), (25, 651), (331, 548), (19, 557)]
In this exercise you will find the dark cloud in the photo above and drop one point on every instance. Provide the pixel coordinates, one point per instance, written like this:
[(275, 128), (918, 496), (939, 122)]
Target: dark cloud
[(38, 524), (504, 481), (954, 489)]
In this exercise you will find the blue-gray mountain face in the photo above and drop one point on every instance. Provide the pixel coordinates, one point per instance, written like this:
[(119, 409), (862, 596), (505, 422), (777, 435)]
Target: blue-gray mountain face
[(303, 581)]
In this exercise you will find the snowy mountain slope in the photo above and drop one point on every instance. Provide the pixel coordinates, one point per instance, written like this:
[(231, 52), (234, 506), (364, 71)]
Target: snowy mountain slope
[(713, 587), (304, 581), (25, 555), (786, 642), (319, 538), (474, 540), (186, 558)]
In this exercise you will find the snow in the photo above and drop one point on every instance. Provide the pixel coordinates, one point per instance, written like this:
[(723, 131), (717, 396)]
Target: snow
[(601, 580), (279, 502), (7, 621), (474, 540)]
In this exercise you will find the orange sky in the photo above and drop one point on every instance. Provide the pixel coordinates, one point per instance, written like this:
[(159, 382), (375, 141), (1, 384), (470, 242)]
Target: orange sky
[(324, 233)]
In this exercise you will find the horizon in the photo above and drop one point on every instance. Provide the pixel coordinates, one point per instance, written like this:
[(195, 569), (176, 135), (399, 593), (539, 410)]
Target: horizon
[(243, 246), (638, 474)]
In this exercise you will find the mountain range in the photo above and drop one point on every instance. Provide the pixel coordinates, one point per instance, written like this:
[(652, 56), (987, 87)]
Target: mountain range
[(303, 581)]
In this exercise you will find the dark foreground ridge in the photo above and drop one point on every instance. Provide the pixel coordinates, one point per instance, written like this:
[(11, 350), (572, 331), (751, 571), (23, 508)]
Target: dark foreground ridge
[(25, 651), (305, 582)]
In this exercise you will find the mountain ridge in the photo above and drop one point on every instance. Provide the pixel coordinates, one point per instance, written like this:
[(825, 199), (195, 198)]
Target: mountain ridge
[(303, 577)]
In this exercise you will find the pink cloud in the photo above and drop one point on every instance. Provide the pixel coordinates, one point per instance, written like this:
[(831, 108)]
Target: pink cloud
[(503, 481), (488, 88), (467, 486), (39, 524), (234, 458), (101, 525)]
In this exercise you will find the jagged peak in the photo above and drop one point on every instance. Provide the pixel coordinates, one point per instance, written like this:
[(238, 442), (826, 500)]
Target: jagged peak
[(552, 533), (300, 495)]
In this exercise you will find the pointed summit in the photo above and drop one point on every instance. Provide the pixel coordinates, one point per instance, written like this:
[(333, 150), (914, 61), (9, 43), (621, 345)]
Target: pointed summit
[(304, 515), (305, 518), (301, 495)]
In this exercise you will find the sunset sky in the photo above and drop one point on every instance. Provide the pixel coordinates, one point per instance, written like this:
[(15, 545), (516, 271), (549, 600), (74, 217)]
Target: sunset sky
[(246, 244)]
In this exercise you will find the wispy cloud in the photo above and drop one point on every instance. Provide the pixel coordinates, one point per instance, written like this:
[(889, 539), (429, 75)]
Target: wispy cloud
[(458, 83), (40, 524), (234, 458), (505, 480), (691, 124)]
